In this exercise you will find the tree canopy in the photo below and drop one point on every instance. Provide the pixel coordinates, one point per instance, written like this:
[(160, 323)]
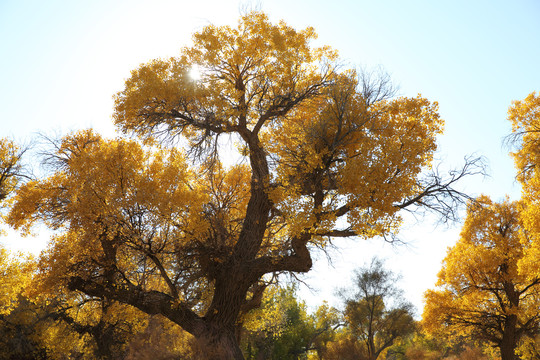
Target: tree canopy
[(324, 152), (376, 312), (525, 117)]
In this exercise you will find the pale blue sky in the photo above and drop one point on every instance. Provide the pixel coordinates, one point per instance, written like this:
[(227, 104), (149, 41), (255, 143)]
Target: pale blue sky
[(61, 62)]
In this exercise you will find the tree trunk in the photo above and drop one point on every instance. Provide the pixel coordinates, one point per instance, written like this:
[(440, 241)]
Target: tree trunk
[(220, 344), (509, 339)]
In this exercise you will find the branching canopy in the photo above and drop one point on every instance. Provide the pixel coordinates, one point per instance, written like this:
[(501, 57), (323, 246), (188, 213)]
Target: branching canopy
[(326, 153)]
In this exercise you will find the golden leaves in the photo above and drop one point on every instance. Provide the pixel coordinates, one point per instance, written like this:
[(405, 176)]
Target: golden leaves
[(525, 118), (492, 273), (365, 158), (264, 80), (10, 173), (480, 283), (15, 273), (110, 192), (244, 71)]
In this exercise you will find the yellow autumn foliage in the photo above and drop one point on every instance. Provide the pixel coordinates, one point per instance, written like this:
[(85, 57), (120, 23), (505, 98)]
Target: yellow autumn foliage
[(525, 118), (482, 293), (15, 274), (114, 193), (9, 163), (10, 172), (323, 153)]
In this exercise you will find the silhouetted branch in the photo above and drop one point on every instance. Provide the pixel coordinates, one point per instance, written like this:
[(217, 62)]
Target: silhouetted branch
[(437, 193)]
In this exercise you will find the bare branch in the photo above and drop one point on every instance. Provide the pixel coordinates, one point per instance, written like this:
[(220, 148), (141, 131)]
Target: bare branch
[(151, 302), (438, 194), (375, 85)]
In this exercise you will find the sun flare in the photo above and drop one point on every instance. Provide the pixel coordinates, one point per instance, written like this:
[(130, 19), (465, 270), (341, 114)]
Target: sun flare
[(195, 73)]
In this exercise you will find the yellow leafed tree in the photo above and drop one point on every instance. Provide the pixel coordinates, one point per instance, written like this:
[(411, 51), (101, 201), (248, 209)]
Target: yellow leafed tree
[(525, 118), (15, 275), (325, 152), (10, 167), (11, 170), (482, 293)]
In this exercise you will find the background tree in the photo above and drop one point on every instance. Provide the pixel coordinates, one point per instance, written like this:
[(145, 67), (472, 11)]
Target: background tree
[(18, 317), (482, 294), (344, 347), (416, 347), (530, 348), (421, 346), (11, 172), (282, 327), (375, 312), (324, 153), (525, 118), (327, 320), (10, 167)]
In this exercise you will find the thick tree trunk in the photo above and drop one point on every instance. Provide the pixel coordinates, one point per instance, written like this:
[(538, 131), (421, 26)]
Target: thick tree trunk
[(220, 344), (509, 339), (104, 343)]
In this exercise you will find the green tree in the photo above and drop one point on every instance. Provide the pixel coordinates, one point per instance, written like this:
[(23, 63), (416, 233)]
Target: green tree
[(282, 328), (375, 312), (327, 322), (325, 153)]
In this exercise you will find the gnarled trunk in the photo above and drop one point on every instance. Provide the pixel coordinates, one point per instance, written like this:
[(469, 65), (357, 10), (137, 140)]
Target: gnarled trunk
[(509, 339), (220, 344)]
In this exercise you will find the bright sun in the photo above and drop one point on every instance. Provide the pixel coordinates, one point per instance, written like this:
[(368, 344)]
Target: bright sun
[(195, 73)]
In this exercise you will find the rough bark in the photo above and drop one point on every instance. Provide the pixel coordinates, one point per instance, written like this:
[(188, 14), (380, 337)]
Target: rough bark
[(220, 343), (509, 339)]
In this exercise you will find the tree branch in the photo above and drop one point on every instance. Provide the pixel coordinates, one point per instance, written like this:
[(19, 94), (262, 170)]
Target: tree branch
[(438, 194), (151, 302)]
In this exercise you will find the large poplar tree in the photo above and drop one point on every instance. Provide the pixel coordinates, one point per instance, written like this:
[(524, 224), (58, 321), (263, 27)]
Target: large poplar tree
[(323, 152)]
